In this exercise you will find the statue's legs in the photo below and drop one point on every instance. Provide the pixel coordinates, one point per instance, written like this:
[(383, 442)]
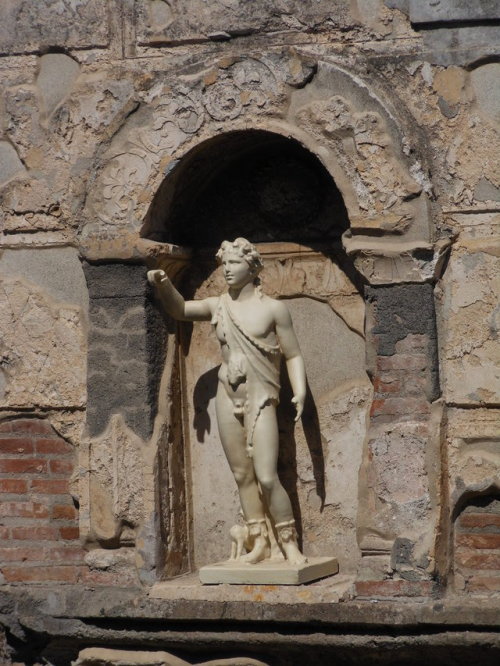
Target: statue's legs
[(261, 470), (233, 439), (232, 435), (265, 462)]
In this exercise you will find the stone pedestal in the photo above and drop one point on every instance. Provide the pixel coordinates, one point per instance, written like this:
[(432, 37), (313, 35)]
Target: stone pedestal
[(268, 573)]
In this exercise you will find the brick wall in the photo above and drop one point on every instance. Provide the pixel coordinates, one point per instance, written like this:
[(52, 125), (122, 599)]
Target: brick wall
[(38, 518), (400, 385), (477, 546), (396, 505), (405, 365)]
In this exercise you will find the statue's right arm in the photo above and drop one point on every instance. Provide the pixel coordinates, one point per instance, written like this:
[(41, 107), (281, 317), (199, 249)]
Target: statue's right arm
[(175, 304)]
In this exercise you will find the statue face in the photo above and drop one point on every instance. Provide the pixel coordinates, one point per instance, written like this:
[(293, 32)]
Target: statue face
[(236, 270)]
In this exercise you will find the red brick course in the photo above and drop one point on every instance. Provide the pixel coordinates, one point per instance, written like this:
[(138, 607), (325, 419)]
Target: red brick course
[(34, 533), (64, 512), (16, 445), (394, 588), (23, 510), (402, 362), (484, 584), (401, 382), (38, 523), (480, 520), (45, 446), (23, 466), (61, 467), (40, 554), (482, 561), (13, 486), (489, 541), (27, 427), (43, 574), (69, 533), (50, 486), (477, 547)]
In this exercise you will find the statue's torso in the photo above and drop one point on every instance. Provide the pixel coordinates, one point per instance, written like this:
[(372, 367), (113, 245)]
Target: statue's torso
[(256, 317)]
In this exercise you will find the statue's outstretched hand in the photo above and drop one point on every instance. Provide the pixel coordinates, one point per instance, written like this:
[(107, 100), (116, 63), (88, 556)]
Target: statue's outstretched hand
[(156, 276), (299, 406)]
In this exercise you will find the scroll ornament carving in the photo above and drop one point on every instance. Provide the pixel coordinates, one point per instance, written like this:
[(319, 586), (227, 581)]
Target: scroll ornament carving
[(361, 140), (247, 83), (129, 169)]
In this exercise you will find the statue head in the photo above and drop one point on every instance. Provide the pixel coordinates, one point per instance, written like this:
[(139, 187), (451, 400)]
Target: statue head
[(242, 248)]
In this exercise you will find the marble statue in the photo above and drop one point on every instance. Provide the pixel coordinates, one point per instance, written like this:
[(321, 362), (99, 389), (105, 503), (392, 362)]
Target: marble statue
[(254, 331)]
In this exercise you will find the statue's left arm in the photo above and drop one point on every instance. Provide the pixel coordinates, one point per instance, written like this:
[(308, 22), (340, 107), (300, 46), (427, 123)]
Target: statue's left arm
[(293, 356)]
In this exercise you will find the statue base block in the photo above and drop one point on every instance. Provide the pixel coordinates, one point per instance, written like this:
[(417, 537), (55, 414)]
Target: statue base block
[(268, 572)]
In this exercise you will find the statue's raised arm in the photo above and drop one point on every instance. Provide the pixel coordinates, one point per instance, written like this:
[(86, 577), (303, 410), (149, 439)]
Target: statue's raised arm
[(175, 304)]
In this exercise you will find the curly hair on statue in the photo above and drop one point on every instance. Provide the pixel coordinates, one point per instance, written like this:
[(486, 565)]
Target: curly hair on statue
[(243, 248)]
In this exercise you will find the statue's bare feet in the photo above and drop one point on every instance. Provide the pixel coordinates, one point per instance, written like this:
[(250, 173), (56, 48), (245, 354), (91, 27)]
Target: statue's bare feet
[(258, 552), (258, 541), (293, 554), (287, 537), (276, 553)]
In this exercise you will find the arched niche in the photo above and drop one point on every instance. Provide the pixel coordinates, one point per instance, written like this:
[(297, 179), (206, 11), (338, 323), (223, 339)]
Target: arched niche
[(275, 192), (361, 141)]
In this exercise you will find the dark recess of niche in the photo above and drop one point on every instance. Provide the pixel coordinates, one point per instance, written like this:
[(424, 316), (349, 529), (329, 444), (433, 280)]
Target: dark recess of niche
[(252, 183)]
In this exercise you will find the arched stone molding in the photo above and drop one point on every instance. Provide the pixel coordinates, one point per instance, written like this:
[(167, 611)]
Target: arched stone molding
[(364, 142)]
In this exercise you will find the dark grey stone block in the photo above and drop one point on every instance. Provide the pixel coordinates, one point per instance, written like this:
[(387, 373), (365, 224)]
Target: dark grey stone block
[(127, 339), (432, 11), (402, 5), (461, 46), (402, 552), (486, 191), (115, 280), (402, 310)]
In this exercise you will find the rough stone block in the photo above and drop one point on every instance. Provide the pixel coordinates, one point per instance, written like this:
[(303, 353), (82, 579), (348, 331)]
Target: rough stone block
[(461, 45), (484, 80), (10, 163), (452, 11), (469, 345), (160, 22), (27, 26)]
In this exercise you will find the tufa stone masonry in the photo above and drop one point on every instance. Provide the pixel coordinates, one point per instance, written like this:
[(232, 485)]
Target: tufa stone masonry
[(355, 142)]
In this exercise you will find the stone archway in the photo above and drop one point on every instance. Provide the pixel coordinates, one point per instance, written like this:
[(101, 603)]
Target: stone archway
[(377, 164)]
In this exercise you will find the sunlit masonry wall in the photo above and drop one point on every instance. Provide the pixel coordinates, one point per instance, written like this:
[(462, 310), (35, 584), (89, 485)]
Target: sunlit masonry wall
[(356, 143)]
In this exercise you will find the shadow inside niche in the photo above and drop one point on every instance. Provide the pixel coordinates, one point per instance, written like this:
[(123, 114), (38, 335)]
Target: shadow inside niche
[(252, 183), (205, 390)]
